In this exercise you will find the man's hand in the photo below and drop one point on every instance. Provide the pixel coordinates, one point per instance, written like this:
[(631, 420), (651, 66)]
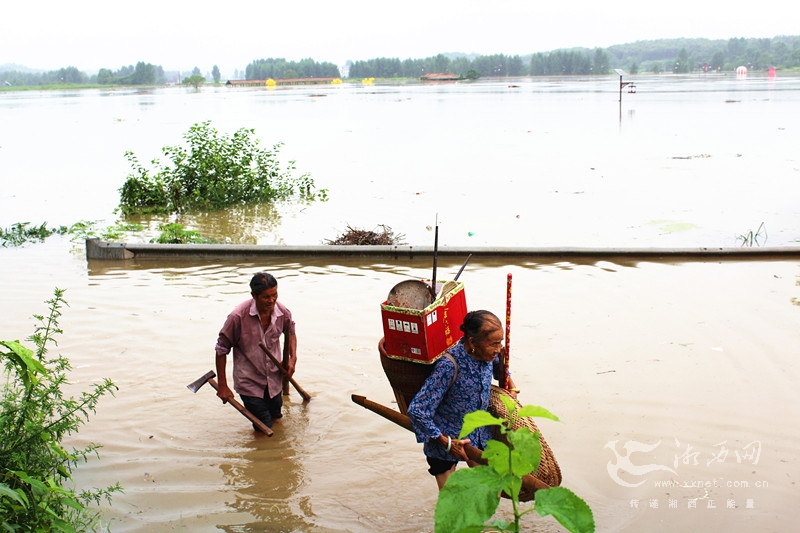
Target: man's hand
[(224, 393)]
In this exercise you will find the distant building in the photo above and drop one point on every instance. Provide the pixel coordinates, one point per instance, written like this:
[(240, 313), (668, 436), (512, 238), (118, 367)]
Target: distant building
[(280, 81), (439, 76)]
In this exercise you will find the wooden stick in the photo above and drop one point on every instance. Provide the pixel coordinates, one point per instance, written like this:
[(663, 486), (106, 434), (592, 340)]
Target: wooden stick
[(306, 396), (529, 481), (460, 270), (404, 422), (505, 381), (435, 255), (242, 409)]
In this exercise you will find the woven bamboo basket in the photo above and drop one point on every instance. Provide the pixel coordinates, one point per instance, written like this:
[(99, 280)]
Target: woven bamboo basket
[(548, 472), (405, 377)]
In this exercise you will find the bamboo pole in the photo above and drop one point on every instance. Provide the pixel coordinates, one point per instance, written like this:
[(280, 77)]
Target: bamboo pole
[(475, 455)]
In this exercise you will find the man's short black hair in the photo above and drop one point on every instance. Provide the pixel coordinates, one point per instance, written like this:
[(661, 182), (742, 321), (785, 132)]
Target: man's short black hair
[(262, 281)]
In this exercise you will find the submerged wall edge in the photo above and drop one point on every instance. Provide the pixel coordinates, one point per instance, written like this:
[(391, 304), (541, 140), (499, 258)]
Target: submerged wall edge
[(98, 249)]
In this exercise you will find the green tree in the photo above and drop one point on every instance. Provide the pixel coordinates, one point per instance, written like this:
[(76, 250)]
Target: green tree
[(195, 81), (215, 74), (602, 63), (196, 72), (145, 74), (71, 75), (105, 76), (717, 60), (681, 63)]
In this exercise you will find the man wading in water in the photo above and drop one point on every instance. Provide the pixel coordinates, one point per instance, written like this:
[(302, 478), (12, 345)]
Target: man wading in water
[(260, 319)]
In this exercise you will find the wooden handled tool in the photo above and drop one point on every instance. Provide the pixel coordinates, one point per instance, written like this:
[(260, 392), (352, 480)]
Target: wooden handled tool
[(209, 378), (306, 396)]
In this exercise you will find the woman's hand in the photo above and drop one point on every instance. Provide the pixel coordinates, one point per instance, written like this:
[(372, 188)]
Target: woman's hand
[(454, 446), (457, 449)]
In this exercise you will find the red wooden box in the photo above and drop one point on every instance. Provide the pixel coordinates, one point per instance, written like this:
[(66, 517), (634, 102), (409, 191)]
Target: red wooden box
[(423, 335)]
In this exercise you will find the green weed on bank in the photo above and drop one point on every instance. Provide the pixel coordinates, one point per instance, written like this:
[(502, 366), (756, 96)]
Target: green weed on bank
[(36, 490)]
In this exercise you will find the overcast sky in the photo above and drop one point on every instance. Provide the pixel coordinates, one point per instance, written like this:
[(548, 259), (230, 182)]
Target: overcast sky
[(181, 34)]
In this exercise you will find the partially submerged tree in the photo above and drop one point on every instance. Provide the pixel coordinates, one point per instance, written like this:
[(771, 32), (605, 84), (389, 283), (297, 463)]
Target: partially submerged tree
[(194, 81), (213, 172)]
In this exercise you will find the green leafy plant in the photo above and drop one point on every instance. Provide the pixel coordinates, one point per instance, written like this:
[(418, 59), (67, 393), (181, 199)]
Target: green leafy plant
[(19, 233), (758, 237), (87, 230), (174, 233), (470, 498), (213, 172), (36, 485)]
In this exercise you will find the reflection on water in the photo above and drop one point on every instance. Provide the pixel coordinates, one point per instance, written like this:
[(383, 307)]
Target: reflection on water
[(248, 224), (267, 474)]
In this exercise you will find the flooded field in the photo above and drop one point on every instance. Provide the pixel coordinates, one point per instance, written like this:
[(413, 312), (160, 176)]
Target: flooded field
[(695, 360)]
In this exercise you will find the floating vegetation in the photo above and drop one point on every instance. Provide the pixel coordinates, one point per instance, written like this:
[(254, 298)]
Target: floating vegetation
[(672, 226), (20, 233), (750, 238), (86, 229), (698, 156)]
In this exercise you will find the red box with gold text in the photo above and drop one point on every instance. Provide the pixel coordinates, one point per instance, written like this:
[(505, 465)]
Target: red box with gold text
[(423, 335)]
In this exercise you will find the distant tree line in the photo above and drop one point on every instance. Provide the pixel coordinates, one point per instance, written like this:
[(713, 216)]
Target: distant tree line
[(141, 74), (688, 55), (491, 65), (264, 69), (663, 55)]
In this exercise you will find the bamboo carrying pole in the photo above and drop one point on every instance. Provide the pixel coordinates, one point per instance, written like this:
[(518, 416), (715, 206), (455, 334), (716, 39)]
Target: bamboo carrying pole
[(306, 396), (529, 482), (403, 421)]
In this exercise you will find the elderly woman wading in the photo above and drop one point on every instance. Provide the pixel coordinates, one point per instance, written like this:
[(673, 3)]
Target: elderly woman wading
[(451, 391)]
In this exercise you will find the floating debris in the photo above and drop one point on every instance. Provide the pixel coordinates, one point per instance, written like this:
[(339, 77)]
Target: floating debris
[(354, 236)]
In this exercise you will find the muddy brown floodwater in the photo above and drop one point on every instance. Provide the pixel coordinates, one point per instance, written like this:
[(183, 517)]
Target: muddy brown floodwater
[(695, 361)]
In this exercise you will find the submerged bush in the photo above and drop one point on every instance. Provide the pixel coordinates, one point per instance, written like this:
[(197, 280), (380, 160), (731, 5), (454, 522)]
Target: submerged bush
[(36, 492), (174, 233), (215, 171)]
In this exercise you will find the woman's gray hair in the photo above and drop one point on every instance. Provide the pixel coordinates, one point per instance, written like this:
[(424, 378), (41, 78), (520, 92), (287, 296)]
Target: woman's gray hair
[(475, 323)]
